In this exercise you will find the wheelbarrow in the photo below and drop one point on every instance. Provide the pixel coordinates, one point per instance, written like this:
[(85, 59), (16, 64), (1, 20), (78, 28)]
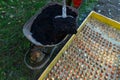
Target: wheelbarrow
[(43, 52)]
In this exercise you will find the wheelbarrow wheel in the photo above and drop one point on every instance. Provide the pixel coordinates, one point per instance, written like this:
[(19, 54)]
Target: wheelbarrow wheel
[(35, 58)]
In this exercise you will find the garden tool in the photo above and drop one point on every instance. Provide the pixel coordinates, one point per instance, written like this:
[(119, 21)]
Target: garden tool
[(64, 23)]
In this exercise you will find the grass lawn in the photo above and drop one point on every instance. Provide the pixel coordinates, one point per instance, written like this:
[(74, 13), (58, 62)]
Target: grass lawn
[(13, 44)]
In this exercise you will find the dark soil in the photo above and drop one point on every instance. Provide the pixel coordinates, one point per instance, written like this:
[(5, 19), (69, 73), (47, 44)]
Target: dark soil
[(43, 28), (65, 25)]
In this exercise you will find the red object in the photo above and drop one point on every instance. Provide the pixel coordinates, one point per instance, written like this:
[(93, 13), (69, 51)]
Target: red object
[(77, 3)]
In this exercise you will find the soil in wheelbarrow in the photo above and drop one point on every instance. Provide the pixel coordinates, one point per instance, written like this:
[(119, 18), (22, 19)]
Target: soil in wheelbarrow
[(43, 29)]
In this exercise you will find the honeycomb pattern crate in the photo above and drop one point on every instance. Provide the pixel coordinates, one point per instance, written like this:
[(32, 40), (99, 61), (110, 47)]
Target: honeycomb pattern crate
[(94, 54)]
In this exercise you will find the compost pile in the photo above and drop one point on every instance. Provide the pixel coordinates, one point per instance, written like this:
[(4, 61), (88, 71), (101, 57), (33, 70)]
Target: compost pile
[(43, 29)]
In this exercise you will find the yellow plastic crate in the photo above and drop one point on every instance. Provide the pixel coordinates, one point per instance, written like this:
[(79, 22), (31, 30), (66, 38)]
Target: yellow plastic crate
[(92, 54)]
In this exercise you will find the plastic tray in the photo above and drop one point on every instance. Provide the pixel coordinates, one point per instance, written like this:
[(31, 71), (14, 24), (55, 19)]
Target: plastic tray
[(92, 54)]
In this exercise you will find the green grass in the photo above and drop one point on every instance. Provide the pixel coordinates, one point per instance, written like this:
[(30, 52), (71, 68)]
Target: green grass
[(85, 8), (13, 44)]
